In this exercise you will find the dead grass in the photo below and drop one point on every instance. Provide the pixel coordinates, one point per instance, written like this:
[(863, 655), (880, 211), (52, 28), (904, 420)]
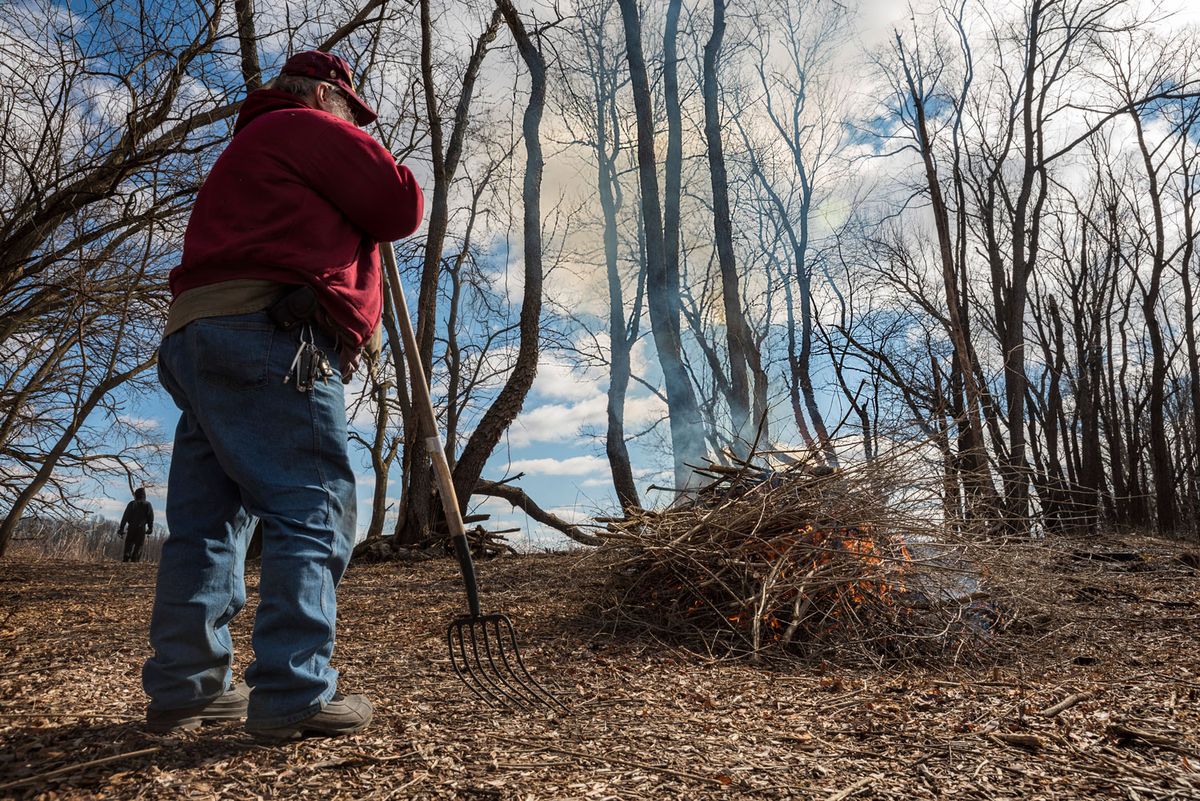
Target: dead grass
[(1114, 637)]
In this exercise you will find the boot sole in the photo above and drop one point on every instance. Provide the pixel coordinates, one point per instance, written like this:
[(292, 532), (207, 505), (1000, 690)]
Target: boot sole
[(191, 723), (299, 731)]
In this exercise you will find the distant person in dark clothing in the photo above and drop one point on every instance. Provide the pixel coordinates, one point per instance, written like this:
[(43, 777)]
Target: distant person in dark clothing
[(136, 523)]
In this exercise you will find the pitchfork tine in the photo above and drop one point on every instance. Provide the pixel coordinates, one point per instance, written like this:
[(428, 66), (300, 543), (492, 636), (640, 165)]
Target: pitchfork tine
[(539, 693), (497, 687), (508, 675), (464, 672), (505, 694), (522, 690), (517, 692)]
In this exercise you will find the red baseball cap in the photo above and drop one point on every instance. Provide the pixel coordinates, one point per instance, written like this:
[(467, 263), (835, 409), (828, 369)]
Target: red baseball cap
[(334, 70)]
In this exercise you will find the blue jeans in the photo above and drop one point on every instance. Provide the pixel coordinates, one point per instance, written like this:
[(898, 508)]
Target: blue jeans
[(249, 446)]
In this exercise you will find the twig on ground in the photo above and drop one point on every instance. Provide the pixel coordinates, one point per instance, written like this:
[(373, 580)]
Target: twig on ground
[(52, 774), (1064, 705), (861, 784)]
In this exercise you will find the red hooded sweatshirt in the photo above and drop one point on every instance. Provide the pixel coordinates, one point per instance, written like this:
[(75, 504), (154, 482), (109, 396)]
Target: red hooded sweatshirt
[(301, 197)]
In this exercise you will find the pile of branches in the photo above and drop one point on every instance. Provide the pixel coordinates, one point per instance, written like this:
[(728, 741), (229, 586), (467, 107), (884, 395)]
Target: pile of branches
[(778, 557), (485, 544)]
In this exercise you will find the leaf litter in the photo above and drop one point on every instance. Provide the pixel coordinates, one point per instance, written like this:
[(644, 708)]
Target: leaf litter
[(1091, 691)]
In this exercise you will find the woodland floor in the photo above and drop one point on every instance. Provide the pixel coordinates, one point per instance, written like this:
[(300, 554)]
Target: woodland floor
[(649, 720)]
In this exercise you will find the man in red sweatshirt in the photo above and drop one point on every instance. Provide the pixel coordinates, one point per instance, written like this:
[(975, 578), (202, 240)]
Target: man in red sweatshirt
[(279, 289)]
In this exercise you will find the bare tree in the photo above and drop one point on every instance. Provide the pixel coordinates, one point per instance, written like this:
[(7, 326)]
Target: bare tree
[(801, 103), (594, 107), (445, 153), (662, 282), (101, 145), (739, 342), (511, 398)]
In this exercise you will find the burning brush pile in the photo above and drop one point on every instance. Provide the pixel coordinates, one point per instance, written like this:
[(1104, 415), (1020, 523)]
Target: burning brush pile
[(780, 558)]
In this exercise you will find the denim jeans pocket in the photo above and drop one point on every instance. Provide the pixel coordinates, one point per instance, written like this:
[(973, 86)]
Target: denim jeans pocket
[(233, 352)]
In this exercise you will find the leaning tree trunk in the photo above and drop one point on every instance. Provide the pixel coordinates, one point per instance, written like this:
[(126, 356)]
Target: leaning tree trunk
[(508, 403)]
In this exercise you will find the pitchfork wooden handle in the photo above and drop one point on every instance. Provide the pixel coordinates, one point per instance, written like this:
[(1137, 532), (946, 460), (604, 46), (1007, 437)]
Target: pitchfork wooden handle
[(423, 405)]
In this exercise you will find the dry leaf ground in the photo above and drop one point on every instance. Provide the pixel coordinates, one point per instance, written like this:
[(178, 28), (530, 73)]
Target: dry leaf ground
[(1117, 641)]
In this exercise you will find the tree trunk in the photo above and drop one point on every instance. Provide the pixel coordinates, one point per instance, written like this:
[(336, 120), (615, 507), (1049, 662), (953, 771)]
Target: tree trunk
[(445, 157), (737, 333), (381, 463), (248, 42), (673, 164), (1193, 354), (976, 476), (1160, 453), (620, 336), (662, 283)]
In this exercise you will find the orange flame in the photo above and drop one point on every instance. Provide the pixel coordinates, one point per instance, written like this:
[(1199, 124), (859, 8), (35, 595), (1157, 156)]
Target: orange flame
[(881, 571)]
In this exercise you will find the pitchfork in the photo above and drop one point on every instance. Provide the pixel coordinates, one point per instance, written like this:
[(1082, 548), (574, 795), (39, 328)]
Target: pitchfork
[(483, 648)]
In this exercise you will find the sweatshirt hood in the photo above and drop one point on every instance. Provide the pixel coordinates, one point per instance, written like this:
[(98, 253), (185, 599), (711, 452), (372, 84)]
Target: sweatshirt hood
[(261, 101)]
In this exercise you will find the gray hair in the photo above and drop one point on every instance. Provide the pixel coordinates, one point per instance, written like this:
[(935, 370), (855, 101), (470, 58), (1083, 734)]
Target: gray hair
[(304, 87), (297, 85)]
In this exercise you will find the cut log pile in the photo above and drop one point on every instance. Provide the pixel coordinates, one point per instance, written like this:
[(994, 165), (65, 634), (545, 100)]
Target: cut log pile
[(785, 558), (485, 544)]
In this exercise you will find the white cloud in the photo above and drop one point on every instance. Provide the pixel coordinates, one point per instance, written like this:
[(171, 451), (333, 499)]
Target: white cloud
[(571, 466), (562, 380), (105, 507), (557, 422), (144, 424), (561, 422), (643, 410), (592, 483), (580, 286), (582, 395), (365, 481)]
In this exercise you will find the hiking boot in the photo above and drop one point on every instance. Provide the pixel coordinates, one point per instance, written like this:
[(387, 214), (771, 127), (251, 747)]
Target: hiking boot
[(231, 705), (344, 714)]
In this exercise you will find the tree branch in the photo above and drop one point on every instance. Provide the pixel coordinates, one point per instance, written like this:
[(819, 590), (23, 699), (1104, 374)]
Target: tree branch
[(517, 497)]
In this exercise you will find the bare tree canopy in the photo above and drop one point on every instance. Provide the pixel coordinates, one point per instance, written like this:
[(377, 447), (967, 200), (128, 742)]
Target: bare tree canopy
[(667, 234)]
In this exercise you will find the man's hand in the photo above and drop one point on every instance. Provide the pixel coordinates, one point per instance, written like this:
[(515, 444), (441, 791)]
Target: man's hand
[(349, 359)]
